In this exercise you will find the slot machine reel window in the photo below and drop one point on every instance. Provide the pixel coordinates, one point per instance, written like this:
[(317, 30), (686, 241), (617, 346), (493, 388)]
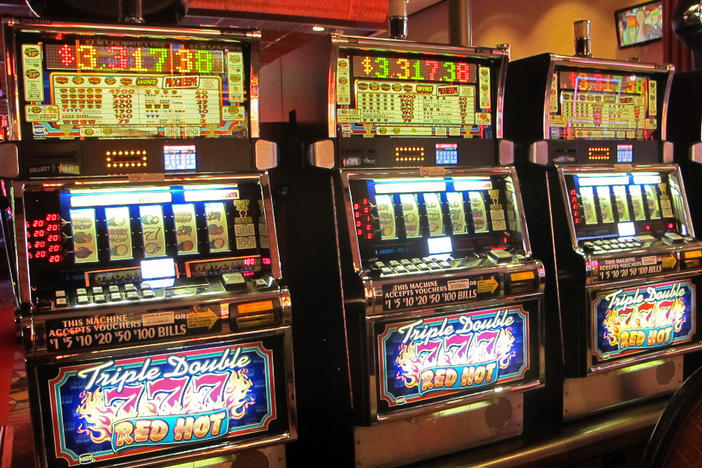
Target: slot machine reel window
[(605, 104), (78, 86), (610, 205), (208, 230), (450, 216), (393, 94)]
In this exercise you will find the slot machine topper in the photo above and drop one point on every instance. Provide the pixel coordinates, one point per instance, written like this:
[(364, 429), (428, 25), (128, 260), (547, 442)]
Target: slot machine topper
[(441, 297), (619, 236), (148, 274)]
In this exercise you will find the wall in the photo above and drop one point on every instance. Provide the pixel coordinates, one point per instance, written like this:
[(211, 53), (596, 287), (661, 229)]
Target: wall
[(535, 26)]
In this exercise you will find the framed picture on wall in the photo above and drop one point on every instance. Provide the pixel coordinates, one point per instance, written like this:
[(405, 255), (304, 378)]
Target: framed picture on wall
[(639, 24)]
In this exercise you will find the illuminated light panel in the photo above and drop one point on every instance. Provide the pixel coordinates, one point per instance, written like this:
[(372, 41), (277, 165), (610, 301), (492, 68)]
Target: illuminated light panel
[(626, 229), (84, 198), (439, 245), (644, 179), (473, 183), (410, 185), (228, 193), (624, 323), (157, 269), (602, 179)]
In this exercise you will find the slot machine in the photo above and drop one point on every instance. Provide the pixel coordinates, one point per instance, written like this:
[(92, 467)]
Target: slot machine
[(157, 328), (598, 175), (441, 300)]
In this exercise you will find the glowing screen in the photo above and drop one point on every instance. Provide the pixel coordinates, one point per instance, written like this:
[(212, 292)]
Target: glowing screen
[(612, 105), (74, 87), (383, 94)]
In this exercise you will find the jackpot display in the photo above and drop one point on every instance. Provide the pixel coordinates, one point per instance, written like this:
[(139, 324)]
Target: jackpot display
[(74, 86), (391, 94), (596, 105)]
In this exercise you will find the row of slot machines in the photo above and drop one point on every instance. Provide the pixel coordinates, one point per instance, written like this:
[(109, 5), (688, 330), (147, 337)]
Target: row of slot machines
[(459, 326), (156, 303)]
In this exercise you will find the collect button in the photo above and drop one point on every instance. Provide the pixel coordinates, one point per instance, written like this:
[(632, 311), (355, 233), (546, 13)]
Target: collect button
[(233, 280)]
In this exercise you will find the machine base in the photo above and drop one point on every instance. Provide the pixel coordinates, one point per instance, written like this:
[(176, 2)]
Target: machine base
[(410, 440), (599, 392)]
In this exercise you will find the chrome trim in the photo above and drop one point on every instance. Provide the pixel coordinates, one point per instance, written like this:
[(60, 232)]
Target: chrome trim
[(683, 195), (11, 83), (696, 153), (649, 355), (270, 224), (506, 152), (20, 240), (666, 103), (9, 161), (348, 213), (668, 149), (501, 85), (322, 154), (341, 290), (254, 90), (546, 119), (557, 283), (526, 243), (396, 45), (589, 62), (266, 154), (331, 92), (538, 153), (141, 29)]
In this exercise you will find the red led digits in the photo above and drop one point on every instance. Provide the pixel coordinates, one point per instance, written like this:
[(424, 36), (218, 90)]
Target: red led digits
[(462, 72), (66, 54), (46, 238)]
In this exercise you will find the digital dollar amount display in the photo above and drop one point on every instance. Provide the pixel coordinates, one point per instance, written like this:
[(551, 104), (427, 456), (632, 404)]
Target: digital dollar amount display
[(406, 68), (75, 87), (381, 94), (172, 58), (599, 105)]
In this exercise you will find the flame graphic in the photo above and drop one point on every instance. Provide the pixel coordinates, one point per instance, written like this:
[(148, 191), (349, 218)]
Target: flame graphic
[(98, 417), (408, 364), (646, 316)]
